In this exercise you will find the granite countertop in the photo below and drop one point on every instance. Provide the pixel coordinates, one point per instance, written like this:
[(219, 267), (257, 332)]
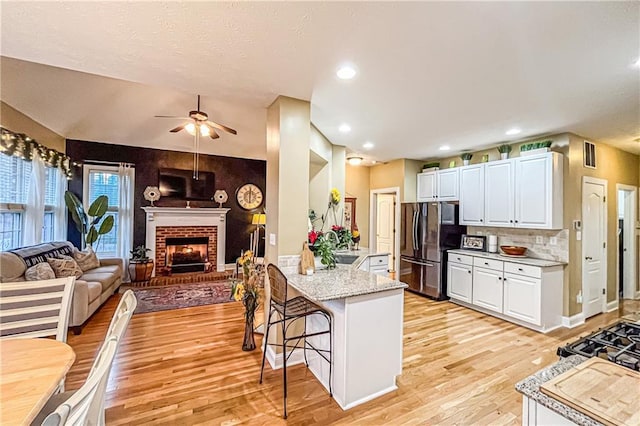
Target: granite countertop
[(339, 283), (531, 388), (532, 261)]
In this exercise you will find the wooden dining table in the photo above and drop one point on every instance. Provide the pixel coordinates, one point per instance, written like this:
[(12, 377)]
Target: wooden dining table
[(30, 372)]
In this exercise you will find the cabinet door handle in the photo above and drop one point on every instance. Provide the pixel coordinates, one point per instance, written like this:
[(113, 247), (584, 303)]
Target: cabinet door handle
[(520, 269), (481, 220), (504, 279), (469, 271), (588, 258), (516, 221), (486, 263), (500, 278), (459, 259), (510, 220)]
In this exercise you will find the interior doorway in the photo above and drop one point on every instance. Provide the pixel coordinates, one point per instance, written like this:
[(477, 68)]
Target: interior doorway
[(627, 258), (385, 224), (594, 251)]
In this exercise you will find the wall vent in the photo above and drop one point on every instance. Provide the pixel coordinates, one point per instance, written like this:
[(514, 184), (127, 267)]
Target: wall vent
[(589, 155)]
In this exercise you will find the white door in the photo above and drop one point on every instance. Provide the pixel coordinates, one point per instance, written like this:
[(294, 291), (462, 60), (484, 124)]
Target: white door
[(522, 298), (472, 195), (426, 186), (533, 192), (447, 185), (499, 193), (594, 276), (459, 281), (627, 203), (385, 232), (487, 289)]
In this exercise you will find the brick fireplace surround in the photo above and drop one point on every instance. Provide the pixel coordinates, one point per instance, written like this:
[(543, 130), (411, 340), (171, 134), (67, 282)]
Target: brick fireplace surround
[(163, 222)]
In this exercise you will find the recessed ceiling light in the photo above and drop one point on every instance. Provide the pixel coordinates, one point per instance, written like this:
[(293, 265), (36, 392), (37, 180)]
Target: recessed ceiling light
[(445, 148), (367, 145), (354, 161), (373, 161), (346, 72), (344, 128), (513, 131)]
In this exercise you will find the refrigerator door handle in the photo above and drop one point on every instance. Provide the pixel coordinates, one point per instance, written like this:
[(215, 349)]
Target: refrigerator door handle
[(417, 263), (415, 229)]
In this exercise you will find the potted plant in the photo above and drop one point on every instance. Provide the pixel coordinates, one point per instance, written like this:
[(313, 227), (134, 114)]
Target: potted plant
[(466, 157), (93, 223), (434, 165), (534, 148), (140, 265), (504, 151)]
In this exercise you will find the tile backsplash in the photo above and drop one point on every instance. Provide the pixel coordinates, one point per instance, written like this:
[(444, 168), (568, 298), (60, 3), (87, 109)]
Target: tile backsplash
[(527, 238)]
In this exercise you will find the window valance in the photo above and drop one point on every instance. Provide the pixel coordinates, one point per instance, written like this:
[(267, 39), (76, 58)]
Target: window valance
[(21, 145)]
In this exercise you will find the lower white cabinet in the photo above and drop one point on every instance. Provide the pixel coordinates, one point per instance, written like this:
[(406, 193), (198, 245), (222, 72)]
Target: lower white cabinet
[(376, 264), (487, 288), (460, 280), (522, 297), (522, 293)]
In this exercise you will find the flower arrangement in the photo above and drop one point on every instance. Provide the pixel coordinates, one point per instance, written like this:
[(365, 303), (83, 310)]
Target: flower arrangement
[(335, 196), (324, 248), (248, 292), (344, 236)]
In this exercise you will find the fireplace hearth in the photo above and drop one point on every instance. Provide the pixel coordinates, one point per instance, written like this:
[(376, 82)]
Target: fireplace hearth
[(187, 254)]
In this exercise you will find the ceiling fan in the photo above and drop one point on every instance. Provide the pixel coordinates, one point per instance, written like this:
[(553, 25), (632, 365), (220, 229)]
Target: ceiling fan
[(201, 122), (200, 125)]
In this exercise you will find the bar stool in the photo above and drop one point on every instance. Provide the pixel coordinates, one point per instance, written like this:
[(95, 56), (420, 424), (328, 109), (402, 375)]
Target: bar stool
[(289, 312)]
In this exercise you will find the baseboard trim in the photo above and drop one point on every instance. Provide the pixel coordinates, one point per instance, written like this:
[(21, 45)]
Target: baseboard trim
[(612, 306), (573, 321), (637, 295), (275, 359)]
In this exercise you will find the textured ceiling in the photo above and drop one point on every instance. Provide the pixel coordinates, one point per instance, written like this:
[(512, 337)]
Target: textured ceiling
[(456, 73)]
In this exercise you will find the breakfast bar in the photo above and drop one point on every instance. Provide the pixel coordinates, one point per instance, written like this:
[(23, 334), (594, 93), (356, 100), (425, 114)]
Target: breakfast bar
[(367, 311)]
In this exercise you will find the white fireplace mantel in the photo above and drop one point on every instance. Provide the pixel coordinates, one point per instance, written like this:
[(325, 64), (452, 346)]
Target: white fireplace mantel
[(182, 216)]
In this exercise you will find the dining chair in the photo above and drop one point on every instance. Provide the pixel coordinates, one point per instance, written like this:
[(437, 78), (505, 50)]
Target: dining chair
[(36, 308), (94, 412), (75, 411), (290, 310)]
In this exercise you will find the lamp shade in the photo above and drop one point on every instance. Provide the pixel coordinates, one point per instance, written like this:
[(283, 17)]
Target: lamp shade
[(259, 219)]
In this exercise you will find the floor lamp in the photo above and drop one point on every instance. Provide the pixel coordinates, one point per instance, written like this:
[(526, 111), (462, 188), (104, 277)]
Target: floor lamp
[(258, 219)]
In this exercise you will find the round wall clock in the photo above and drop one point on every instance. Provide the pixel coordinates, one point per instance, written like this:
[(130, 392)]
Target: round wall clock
[(249, 196)]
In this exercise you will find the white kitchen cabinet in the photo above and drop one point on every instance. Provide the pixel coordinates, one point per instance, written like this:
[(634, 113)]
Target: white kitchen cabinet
[(525, 293), (426, 186), (538, 191), (522, 297), (459, 281), (447, 184), (499, 193), (472, 195), (441, 185), (487, 288), (376, 264)]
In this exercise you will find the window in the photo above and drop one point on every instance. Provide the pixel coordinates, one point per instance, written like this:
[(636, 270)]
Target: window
[(15, 179), (589, 155), (104, 180)]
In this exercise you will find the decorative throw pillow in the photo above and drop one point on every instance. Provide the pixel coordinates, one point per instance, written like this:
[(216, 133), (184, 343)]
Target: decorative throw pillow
[(65, 266), (39, 271), (86, 259)]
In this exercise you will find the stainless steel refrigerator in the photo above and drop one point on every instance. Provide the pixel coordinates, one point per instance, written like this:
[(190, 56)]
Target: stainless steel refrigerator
[(427, 231)]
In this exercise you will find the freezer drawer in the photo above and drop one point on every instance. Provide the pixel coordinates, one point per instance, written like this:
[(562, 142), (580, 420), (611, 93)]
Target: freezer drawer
[(421, 277)]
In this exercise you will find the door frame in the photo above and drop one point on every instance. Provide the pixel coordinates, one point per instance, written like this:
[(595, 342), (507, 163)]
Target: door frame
[(629, 286), (605, 184), (373, 222)]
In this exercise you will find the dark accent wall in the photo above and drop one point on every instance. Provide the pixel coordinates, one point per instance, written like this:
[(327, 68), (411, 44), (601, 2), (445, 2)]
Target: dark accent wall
[(231, 173)]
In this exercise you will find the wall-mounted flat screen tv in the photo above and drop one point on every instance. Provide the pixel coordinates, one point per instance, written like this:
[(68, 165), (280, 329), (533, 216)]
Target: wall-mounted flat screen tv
[(180, 184)]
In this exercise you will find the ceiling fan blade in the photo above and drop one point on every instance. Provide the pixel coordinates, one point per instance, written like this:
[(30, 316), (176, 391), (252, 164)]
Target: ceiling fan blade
[(213, 134), (221, 127), (177, 129), (172, 116)]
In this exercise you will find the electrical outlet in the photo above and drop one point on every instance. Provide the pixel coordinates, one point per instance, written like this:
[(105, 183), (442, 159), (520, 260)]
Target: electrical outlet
[(553, 241), (579, 297), (578, 235), (539, 239), (272, 239)]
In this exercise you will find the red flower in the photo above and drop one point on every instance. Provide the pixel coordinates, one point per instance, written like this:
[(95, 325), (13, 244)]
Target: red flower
[(337, 228), (313, 236)]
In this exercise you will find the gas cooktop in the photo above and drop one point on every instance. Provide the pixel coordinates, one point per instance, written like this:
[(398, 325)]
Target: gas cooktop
[(619, 343)]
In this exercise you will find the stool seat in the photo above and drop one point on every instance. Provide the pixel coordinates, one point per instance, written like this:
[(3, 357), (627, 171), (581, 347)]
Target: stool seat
[(289, 311), (298, 307)]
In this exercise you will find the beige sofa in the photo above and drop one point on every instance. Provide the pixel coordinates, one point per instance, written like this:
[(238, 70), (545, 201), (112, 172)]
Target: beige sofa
[(92, 289)]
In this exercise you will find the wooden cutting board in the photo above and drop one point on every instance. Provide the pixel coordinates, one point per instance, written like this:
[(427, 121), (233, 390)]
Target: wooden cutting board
[(600, 389)]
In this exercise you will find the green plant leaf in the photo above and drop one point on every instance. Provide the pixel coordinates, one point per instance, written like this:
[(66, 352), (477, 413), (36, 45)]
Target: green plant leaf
[(107, 225), (92, 235), (99, 207), (77, 211)]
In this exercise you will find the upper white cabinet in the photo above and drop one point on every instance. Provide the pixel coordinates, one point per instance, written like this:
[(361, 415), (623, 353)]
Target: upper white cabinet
[(500, 193), (538, 191), (426, 186), (441, 185), (523, 192), (472, 195)]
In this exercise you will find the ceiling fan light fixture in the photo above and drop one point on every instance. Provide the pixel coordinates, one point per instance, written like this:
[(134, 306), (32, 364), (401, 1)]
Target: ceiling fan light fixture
[(191, 128), (204, 130), (354, 161)]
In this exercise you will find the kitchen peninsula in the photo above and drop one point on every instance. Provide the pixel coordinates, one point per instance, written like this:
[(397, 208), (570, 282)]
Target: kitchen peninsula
[(367, 311)]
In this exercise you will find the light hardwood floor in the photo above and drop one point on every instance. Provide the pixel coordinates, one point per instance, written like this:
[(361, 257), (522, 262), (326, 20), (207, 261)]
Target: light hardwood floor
[(185, 367)]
